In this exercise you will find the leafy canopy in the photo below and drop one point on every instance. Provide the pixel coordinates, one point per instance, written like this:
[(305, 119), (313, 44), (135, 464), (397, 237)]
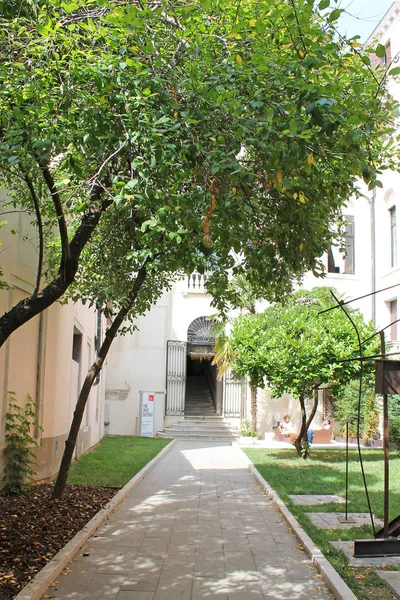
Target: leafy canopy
[(292, 348), (201, 127)]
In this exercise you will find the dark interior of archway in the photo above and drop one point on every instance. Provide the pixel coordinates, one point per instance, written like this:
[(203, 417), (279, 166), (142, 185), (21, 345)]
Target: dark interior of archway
[(201, 380)]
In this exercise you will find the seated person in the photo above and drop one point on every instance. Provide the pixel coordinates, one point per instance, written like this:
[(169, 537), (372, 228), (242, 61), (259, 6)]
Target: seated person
[(285, 426), (325, 425)]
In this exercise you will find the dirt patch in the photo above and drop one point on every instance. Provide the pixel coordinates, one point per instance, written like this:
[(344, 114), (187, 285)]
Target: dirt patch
[(33, 528)]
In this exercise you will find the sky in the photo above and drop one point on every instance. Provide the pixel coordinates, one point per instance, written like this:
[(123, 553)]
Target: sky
[(361, 16)]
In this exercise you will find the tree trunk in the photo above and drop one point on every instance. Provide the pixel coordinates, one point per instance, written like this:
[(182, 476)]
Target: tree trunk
[(313, 409), (87, 385), (28, 308), (253, 407), (303, 430), (305, 424)]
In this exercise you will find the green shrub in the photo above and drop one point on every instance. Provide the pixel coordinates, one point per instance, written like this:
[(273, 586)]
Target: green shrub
[(20, 459), (346, 403), (394, 419), (246, 429)]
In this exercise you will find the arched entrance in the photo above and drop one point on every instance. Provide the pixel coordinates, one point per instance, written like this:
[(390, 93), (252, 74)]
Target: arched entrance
[(191, 383), (203, 391)]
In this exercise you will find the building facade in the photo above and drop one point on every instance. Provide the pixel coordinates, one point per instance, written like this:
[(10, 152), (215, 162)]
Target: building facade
[(48, 357)]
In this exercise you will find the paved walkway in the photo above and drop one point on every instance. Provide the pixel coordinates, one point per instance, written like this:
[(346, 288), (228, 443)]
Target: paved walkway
[(198, 526)]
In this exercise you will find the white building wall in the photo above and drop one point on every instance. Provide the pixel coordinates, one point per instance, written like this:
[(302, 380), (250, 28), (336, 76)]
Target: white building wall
[(137, 362)]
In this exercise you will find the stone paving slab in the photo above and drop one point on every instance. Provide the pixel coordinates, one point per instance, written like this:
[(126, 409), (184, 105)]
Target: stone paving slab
[(198, 526), (316, 499), (392, 578), (374, 561), (330, 520)]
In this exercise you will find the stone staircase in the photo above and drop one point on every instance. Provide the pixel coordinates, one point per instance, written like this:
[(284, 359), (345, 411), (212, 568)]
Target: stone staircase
[(201, 428), (198, 400), (200, 421)]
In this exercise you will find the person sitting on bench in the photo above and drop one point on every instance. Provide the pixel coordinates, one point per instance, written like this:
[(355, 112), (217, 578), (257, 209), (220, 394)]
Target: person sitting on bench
[(285, 426), (327, 425)]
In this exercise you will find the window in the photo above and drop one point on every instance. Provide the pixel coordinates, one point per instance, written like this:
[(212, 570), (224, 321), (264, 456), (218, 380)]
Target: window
[(332, 268), (388, 54), (393, 319), (349, 242), (384, 60), (393, 237), (77, 346)]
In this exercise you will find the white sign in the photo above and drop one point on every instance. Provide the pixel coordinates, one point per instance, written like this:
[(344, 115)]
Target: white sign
[(147, 414)]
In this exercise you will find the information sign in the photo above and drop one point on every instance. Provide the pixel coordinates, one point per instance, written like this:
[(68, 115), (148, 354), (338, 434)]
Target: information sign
[(147, 414)]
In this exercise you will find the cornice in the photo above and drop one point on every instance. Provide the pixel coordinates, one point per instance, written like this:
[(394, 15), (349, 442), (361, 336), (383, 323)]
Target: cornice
[(391, 17)]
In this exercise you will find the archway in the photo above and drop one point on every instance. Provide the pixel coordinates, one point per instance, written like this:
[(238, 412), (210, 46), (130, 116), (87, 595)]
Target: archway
[(203, 390)]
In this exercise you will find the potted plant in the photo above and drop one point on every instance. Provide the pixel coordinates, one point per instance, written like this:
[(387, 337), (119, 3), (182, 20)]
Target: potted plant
[(247, 433)]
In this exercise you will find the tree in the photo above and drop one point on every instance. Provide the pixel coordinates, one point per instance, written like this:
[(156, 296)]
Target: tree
[(244, 124), (117, 276), (291, 348), (244, 297)]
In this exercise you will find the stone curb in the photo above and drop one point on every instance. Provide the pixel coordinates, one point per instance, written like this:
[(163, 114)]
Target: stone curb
[(335, 583), (39, 584)]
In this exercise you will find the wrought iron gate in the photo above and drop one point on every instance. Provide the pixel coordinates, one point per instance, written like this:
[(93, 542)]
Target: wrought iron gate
[(176, 377), (233, 395)]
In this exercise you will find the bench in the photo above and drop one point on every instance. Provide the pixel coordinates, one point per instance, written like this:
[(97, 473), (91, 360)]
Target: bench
[(284, 437), (322, 436), (289, 438)]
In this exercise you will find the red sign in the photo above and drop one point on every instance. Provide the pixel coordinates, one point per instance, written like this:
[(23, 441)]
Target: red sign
[(151, 397)]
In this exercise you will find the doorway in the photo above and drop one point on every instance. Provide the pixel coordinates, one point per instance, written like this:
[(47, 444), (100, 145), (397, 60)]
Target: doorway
[(201, 386)]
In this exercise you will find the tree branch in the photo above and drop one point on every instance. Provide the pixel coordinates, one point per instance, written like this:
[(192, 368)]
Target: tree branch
[(39, 221), (62, 225), (28, 308), (90, 378)]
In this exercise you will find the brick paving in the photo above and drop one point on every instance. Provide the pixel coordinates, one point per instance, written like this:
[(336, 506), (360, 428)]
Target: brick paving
[(197, 526)]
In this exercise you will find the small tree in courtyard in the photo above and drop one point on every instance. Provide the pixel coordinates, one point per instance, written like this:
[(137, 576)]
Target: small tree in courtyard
[(291, 348)]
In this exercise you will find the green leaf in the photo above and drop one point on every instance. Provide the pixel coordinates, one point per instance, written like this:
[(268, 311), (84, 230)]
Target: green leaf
[(334, 15), (380, 51)]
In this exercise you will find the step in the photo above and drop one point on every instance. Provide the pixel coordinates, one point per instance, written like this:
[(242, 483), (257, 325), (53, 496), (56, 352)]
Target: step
[(200, 422), (161, 434), (214, 418), (210, 430), (199, 436)]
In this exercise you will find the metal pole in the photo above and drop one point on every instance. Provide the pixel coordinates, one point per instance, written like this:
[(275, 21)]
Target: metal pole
[(386, 475), (347, 466), (386, 450)]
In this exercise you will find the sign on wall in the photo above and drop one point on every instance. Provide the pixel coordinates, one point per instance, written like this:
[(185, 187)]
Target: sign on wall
[(147, 402)]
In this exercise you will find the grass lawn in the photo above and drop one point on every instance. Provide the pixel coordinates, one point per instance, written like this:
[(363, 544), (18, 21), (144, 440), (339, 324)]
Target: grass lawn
[(324, 473), (115, 460)]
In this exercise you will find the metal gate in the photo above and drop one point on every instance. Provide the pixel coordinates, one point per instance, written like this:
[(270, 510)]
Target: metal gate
[(176, 377), (233, 395)]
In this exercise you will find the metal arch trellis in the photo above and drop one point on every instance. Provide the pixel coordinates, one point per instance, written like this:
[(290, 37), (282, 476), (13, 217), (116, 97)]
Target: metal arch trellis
[(359, 410), (383, 544)]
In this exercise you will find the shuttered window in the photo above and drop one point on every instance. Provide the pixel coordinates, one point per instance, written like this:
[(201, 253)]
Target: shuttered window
[(349, 240)]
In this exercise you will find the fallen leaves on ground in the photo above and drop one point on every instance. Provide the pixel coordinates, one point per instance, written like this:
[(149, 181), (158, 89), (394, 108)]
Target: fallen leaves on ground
[(33, 528)]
